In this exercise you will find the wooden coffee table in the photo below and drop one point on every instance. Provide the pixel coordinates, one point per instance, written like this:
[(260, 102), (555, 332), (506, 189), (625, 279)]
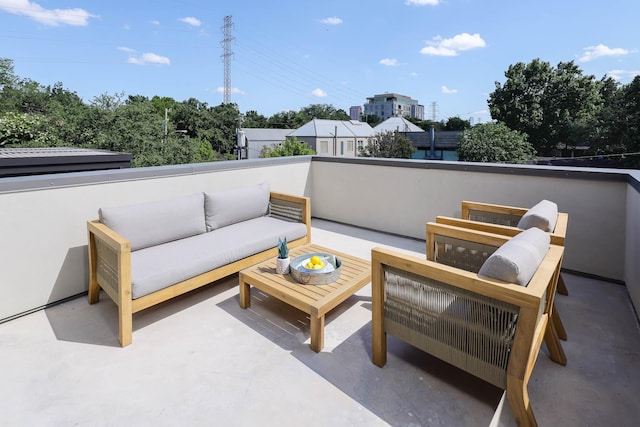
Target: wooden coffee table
[(315, 300)]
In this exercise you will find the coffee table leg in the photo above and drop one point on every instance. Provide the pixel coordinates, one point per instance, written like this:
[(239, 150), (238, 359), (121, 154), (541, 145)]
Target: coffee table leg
[(245, 293), (317, 333)]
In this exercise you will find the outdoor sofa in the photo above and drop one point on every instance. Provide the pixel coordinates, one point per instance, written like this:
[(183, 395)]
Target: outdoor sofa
[(143, 254)]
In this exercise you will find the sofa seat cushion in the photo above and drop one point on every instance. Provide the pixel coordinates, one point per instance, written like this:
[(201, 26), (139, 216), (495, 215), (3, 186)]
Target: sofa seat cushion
[(518, 259), (228, 207), (158, 267), (542, 215), (155, 223)]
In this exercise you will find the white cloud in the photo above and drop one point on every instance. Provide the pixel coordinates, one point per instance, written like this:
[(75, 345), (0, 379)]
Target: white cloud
[(155, 22), (438, 51), (448, 91), (54, 17), (620, 75), (334, 20), (220, 89), (413, 74), (595, 52), (126, 49), (191, 21), (319, 93), (452, 46), (149, 58), (389, 62), (422, 2)]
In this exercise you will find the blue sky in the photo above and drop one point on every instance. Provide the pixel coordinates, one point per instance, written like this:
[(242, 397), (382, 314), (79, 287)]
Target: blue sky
[(288, 54)]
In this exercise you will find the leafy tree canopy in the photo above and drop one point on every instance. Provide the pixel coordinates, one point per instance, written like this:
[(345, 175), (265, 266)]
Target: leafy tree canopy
[(553, 105), (290, 147), (387, 144), (494, 143)]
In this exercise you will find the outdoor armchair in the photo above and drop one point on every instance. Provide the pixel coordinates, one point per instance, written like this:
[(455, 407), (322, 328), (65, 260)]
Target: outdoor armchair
[(488, 327)]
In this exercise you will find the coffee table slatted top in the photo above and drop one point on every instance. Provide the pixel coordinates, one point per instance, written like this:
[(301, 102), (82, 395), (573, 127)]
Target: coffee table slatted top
[(315, 300)]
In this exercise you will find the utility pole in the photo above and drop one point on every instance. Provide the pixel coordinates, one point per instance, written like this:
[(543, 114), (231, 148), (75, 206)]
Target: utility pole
[(226, 56)]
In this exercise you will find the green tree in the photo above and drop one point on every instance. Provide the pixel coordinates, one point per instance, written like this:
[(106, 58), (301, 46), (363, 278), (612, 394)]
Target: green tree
[(286, 120), (224, 123), (373, 120), (387, 144), (254, 120), (456, 123), (24, 130), (552, 105), (290, 147), (494, 143), (322, 111)]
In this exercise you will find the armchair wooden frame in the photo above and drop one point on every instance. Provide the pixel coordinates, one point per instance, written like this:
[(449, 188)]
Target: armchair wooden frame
[(465, 238), (524, 310), (503, 219)]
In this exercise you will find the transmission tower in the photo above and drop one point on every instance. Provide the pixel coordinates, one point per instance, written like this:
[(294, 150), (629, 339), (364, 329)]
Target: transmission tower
[(227, 38)]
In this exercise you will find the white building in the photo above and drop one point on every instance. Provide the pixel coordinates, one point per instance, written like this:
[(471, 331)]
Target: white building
[(257, 138), (334, 137)]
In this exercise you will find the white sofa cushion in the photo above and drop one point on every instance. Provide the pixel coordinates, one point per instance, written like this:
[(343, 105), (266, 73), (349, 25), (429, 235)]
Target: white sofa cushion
[(228, 207), (543, 215), (158, 267), (154, 223), (518, 259)]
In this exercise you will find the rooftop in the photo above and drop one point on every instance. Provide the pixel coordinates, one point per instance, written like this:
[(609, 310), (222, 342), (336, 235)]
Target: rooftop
[(201, 360)]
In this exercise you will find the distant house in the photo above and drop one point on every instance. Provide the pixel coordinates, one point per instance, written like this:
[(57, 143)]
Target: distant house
[(443, 147), (397, 124), (334, 137), (257, 138)]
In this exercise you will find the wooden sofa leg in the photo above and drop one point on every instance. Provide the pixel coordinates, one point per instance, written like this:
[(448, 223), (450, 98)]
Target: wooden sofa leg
[(562, 287), (518, 398), (126, 328), (94, 291), (125, 320)]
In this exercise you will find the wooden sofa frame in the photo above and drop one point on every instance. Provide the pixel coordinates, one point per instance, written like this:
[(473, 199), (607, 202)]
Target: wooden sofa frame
[(110, 265), (508, 217), (534, 304)]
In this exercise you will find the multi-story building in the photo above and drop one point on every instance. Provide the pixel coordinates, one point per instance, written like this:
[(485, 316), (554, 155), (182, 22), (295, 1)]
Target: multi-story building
[(393, 105), (355, 112)]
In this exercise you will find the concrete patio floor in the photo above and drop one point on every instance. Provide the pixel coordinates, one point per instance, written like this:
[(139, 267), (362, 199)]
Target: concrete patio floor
[(201, 360)]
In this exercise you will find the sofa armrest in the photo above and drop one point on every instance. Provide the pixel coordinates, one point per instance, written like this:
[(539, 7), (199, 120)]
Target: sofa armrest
[(110, 270), (293, 208)]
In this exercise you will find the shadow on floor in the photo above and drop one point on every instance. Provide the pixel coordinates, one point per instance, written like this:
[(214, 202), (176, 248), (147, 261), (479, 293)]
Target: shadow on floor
[(97, 324), (413, 389)]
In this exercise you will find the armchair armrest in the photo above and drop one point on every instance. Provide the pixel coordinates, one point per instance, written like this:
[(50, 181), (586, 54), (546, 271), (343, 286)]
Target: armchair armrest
[(488, 212)]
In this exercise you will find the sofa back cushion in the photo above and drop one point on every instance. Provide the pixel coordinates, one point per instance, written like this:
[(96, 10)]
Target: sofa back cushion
[(228, 207), (154, 223), (543, 215), (518, 259)]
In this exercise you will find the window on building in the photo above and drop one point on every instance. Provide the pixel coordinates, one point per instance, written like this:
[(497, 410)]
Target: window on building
[(350, 146), (324, 147), (342, 148)]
